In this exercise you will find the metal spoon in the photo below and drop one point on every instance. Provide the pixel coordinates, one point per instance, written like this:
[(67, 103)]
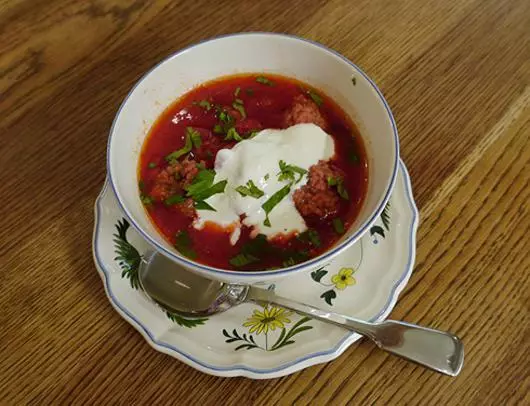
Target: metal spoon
[(191, 295)]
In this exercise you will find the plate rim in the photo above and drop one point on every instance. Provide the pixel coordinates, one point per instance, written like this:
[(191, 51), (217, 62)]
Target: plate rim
[(244, 370)]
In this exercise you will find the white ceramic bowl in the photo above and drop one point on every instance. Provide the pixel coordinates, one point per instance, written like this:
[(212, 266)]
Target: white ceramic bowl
[(307, 61)]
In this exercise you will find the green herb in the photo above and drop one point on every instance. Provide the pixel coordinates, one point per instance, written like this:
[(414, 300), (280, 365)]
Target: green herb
[(339, 183), (147, 200), (236, 93), (250, 190), (252, 134), (219, 187), (264, 81), (218, 129), (175, 199), (273, 201), (225, 117), (249, 91), (151, 165), (242, 260), (187, 146), (353, 157), (141, 185), (232, 134), (315, 97), (289, 262), (239, 107), (354, 80), (338, 225), (183, 244), (195, 137), (266, 177), (310, 236), (205, 104), (202, 181), (202, 205), (288, 172), (200, 165)]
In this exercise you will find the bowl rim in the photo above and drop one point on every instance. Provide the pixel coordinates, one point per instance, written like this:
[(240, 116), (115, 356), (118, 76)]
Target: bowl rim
[(282, 271)]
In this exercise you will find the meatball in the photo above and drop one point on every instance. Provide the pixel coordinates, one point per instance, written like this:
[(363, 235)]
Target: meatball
[(174, 178), (317, 197), (304, 110)]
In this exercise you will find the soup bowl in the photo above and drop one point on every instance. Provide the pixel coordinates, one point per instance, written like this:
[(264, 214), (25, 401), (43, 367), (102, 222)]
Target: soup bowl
[(286, 55)]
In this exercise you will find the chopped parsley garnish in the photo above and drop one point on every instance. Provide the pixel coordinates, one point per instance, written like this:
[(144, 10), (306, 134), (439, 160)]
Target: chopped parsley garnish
[(183, 244), (225, 117), (353, 157), (236, 93), (238, 105), (250, 190), (203, 187), (202, 205), (338, 225), (205, 104), (252, 134), (264, 81), (218, 129), (315, 97), (289, 262), (141, 185), (252, 251), (242, 260), (175, 199), (339, 183), (151, 165), (310, 236), (193, 138), (288, 172), (232, 134), (266, 177), (273, 201), (147, 200)]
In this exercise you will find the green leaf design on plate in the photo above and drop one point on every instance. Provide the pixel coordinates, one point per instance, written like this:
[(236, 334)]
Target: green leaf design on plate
[(249, 342), (127, 256), (318, 274), (185, 322), (285, 337), (328, 296), (377, 230)]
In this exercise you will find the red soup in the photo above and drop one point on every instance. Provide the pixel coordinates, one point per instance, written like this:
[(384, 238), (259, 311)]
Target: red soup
[(178, 179)]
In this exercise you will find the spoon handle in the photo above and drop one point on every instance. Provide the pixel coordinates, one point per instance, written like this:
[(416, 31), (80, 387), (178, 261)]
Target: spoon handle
[(438, 350)]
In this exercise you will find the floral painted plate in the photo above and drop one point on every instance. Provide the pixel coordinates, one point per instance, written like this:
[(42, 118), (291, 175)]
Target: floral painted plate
[(265, 342)]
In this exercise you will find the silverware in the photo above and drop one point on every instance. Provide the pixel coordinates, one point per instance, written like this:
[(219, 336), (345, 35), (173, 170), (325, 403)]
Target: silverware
[(191, 295)]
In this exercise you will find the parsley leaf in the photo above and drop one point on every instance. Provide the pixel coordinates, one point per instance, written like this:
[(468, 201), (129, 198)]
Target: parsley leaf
[(218, 129), (242, 260), (338, 225), (232, 134), (219, 187), (353, 157), (273, 201), (250, 190), (183, 244), (202, 181), (205, 104), (175, 199), (339, 183), (315, 97), (236, 93), (151, 165), (146, 200), (264, 81), (310, 236), (238, 105), (193, 138), (202, 205), (287, 172)]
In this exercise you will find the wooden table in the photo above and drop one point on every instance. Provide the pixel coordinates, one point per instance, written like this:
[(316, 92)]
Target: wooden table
[(456, 75)]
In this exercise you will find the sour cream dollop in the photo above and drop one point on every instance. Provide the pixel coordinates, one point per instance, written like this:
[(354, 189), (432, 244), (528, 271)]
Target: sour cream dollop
[(257, 160)]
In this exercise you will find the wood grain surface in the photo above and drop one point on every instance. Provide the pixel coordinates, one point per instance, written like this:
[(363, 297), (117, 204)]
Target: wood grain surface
[(456, 75)]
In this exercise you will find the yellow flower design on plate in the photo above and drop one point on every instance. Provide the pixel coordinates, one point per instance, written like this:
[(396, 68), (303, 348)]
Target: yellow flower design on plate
[(344, 278), (268, 319)]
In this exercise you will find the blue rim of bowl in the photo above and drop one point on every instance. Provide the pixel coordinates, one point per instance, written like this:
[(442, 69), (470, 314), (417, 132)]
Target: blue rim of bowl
[(285, 271), (243, 370)]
